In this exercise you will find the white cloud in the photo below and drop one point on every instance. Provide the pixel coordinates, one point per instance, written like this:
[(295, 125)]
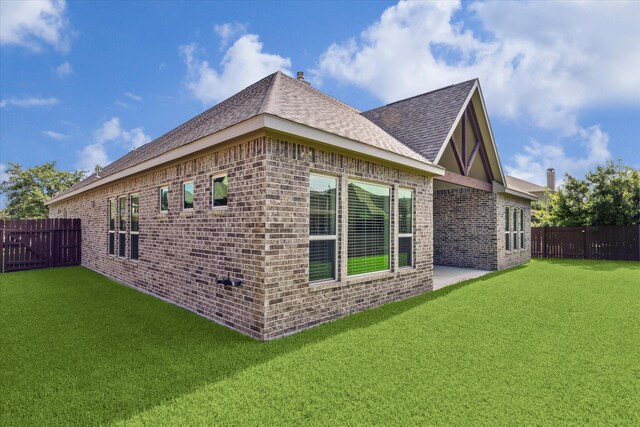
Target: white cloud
[(54, 135), (133, 96), (243, 64), (542, 62), (537, 157), (91, 156), (63, 70), (33, 23), (110, 131), (29, 102), (229, 31)]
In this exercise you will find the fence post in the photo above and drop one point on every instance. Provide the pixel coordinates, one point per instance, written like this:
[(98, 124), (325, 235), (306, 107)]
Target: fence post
[(2, 246), (544, 242)]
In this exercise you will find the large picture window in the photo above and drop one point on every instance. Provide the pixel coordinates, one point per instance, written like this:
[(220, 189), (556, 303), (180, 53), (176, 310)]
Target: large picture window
[(219, 191), (405, 228), (322, 228), (122, 228), (134, 234), (368, 245), (507, 236), (111, 217)]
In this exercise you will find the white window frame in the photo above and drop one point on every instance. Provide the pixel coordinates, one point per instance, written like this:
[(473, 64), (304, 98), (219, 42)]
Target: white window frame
[(507, 229), (514, 233), (411, 235), (194, 195), (391, 232), (164, 211), (131, 232), (120, 231), (328, 237), (213, 178), (522, 245), (112, 203)]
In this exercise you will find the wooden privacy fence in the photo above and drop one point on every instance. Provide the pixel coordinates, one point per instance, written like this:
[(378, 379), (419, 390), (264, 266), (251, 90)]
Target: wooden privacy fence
[(39, 243), (614, 242)]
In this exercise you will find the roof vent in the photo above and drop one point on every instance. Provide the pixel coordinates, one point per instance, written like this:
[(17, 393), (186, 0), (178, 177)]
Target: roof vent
[(300, 77), (97, 171)]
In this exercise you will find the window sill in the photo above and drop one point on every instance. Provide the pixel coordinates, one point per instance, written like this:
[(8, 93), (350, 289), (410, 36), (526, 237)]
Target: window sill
[(367, 277), (406, 270), (322, 286)]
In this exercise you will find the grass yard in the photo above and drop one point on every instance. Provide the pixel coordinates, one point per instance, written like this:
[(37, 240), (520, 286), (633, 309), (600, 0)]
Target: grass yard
[(552, 342)]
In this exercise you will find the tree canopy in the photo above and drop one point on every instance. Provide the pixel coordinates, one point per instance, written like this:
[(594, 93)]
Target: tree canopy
[(27, 190), (610, 195)]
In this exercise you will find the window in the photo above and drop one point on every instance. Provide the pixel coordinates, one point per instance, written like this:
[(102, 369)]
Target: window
[(187, 195), (134, 237), (368, 245), (322, 228), (507, 239), (219, 191), (405, 228), (515, 228), (111, 217), (521, 228), (164, 199), (122, 229)]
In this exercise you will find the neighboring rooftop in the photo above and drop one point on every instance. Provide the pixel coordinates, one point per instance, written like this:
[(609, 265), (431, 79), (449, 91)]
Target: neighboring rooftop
[(522, 185), (278, 95), (423, 122)]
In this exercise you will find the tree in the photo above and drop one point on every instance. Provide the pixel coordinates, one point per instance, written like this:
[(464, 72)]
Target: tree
[(610, 195), (615, 195), (27, 190)]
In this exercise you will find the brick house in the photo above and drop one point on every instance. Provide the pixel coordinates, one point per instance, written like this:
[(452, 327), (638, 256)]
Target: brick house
[(281, 207)]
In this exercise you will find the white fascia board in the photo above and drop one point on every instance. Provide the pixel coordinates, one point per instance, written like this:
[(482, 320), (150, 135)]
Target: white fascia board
[(235, 131), (333, 140), (499, 188), (522, 194), (455, 122), (493, 141)]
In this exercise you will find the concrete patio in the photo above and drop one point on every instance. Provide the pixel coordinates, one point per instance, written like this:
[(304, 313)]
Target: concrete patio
[(444, 275)]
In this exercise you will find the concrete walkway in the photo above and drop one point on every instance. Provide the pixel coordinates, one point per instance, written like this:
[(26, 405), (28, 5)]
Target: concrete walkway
[(445, 276)]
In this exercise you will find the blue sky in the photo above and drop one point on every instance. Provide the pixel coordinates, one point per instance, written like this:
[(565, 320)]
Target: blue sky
[(84, 82)]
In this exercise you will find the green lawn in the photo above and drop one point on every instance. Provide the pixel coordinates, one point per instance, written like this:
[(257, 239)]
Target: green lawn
[(552, 342)]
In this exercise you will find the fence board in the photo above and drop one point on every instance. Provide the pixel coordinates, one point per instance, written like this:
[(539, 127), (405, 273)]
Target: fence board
[(612, 242), (39, 243)]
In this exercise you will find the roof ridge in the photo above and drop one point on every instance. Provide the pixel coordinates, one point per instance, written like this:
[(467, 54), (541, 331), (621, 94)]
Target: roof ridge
[(423, 94), (267, 101)]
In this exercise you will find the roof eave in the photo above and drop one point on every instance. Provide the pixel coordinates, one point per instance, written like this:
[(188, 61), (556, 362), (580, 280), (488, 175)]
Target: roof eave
[(262, 121), (293, 128)]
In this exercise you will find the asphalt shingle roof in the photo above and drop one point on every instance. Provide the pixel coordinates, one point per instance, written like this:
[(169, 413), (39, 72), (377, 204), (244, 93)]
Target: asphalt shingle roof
[(522, 185), (278, 95), (423, 122)]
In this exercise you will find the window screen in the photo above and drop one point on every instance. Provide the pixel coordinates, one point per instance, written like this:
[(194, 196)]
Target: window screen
[(369, 228), (187, 195), (322, 227), (219, 190), (405, 228)]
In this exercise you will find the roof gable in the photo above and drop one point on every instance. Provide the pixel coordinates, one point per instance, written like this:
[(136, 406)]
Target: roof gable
[(423, 122)]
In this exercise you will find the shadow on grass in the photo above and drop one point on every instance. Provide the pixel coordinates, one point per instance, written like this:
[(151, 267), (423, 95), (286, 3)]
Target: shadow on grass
[(591, 264), (82, 349)]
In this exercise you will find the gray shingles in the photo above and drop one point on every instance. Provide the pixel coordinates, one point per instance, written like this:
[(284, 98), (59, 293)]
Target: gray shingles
[(288, 98), (423, 122)]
